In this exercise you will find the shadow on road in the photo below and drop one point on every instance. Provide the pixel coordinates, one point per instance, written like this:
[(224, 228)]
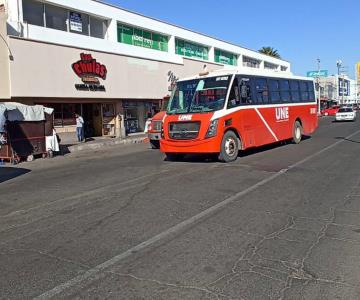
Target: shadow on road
[(7, 173), (211, 158)]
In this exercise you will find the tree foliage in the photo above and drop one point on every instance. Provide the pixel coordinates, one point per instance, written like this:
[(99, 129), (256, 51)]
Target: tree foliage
[(270, 51)]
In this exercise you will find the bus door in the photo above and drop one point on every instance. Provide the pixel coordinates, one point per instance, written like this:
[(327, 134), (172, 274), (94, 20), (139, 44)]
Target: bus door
[(241, 96)]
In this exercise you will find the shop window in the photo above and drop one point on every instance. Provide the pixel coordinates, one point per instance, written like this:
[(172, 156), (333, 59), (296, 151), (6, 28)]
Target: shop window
[(189, 49), (69, 114), (98, 28), (225, 57), (33, 12), (251, 62), (270, 66), (79, 23), (141, 38), (57, 113), (108, 110), (56, 17)]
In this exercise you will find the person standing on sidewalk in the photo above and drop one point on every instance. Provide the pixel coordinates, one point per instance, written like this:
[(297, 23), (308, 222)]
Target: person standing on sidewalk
[(79, 127)]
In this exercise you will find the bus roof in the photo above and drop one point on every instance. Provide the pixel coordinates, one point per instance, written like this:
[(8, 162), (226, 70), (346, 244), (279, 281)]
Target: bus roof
[(249, 72)]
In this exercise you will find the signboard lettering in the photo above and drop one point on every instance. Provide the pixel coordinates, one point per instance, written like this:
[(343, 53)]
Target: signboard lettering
[(90, 71), (320, 73), (75, 22), (282, 113)]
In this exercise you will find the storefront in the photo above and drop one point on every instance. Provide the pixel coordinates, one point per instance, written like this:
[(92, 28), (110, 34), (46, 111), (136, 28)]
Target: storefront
[(99, 118), (115, 94)]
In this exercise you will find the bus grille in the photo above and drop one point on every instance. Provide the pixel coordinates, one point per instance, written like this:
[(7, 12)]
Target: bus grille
[(184, 130)]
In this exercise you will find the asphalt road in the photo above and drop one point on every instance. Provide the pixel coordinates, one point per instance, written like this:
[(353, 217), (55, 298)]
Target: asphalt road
[(282, 222)]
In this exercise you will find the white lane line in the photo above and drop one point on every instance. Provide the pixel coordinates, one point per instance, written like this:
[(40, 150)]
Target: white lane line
[(267, 125), (181, 226)]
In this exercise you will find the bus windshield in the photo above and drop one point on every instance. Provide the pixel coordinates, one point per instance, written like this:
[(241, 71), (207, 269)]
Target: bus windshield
[(199, 95)]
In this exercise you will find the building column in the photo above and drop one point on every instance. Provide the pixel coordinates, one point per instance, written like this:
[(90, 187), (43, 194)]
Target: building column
[(119, 121), (171, 45), (211, 54), (112, 31)]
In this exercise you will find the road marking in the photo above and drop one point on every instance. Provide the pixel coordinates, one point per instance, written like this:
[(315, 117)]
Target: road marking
[(177, 228), (267, 125)]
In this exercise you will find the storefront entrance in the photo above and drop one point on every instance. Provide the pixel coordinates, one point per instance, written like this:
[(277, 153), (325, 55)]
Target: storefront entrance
[(99, 118), (91, 113)]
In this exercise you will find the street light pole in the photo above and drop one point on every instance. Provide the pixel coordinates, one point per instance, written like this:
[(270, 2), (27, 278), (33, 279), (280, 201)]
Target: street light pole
[(339, 64), (318, 84)]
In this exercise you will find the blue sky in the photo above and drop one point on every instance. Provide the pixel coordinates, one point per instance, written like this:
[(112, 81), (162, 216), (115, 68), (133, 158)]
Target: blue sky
[(301, 30)]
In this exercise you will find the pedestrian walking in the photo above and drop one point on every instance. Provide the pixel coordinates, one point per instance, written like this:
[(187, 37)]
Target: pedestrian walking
[(79, 127)]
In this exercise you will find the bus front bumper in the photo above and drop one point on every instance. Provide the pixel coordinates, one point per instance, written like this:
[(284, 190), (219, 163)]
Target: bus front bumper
[(154, 136), (210, 145)]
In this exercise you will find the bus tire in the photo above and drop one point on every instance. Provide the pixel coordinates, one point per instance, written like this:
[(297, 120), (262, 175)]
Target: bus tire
[(174, 156), (297, 132), (229, 148)]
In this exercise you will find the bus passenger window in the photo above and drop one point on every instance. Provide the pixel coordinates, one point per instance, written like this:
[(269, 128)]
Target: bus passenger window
[(261, 89), (295, 93), (285, 91), (245, 91), (234, 98), (274, 87)]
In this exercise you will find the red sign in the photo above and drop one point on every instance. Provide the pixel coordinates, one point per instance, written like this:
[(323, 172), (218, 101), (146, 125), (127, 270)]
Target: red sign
[(89, 67)]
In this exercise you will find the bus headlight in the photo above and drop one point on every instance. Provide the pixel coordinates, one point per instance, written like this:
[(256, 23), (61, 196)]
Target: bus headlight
[(212, 130)]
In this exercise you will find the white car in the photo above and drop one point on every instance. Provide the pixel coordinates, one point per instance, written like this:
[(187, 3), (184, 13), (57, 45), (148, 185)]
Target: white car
[(345, 114)]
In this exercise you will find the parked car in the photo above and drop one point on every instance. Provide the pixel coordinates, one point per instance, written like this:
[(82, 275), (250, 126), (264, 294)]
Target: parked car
[(331, 111), (345, 114), (154, 129)]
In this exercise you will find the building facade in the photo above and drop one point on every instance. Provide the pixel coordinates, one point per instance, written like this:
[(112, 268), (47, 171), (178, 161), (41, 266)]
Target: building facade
[(339, 89), (108, 64)]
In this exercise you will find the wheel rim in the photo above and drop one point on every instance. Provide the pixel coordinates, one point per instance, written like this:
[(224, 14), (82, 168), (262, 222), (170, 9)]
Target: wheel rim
[(230, 146), (297, 133)]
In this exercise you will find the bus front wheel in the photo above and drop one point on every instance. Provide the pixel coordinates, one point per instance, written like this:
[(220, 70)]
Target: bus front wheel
[(297, 132), (229, 147)]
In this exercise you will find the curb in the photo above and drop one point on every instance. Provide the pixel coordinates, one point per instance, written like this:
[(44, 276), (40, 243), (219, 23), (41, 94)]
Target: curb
[(81, 147)]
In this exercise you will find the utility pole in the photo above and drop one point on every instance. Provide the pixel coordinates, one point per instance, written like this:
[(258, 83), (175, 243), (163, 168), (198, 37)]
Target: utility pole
[(318, 84), (339, 64)]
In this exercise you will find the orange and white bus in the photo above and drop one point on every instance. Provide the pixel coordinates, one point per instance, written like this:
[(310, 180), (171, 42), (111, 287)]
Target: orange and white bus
[(226, 111)]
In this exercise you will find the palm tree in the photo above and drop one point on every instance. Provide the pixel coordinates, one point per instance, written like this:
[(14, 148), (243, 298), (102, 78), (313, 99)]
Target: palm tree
[(270, 51)]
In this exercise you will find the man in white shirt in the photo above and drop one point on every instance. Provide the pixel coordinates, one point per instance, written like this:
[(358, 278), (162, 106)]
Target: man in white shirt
[(79, 127)]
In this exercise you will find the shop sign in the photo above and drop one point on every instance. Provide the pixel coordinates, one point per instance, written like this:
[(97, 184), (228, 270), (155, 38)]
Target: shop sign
[(314, 74), (75, 22), (89, 70), (344, 87)]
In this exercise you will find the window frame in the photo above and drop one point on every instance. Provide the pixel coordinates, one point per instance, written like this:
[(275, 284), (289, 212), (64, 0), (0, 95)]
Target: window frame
[(159, 41)]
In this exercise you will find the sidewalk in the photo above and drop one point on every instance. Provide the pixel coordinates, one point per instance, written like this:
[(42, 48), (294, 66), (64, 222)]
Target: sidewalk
[(69, 143)]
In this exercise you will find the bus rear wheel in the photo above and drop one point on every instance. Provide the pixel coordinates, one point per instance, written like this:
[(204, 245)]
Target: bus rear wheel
[(297, 132), (229, 149)]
